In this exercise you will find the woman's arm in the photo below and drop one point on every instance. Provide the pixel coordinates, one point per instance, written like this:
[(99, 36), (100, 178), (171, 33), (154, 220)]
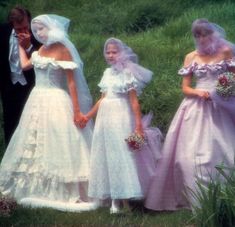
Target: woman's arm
[(137, 112), (78, 116), (187, 82), (191, 92), (24, 60)]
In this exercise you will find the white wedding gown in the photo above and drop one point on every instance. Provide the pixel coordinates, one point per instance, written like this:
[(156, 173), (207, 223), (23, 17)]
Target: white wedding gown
[(46, 163)]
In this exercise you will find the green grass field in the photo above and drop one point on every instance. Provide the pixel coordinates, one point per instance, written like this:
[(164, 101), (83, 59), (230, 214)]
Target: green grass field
[(100, 217), (159, 32)]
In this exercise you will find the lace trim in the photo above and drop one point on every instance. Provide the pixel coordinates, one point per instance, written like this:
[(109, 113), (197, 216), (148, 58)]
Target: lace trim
[(126, 82)]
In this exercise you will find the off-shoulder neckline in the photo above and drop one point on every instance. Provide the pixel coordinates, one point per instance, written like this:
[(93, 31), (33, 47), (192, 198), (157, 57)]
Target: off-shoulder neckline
[(206, 64), (51, 58)]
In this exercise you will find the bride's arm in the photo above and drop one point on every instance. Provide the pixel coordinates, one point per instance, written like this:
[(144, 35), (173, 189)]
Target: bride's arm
[(79, 118), (24, 60)]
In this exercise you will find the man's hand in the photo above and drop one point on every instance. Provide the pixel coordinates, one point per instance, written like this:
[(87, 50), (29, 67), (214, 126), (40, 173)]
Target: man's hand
[(24, 40)]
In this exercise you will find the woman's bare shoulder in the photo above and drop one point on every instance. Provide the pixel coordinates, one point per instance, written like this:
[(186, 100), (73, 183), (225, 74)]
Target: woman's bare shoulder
[(227, 52), (62, 52), (189, 58)]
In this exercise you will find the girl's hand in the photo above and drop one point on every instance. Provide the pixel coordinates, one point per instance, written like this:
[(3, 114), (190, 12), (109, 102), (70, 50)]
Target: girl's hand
[(87, 117), (139, 130), (80, 120), (203, 94)]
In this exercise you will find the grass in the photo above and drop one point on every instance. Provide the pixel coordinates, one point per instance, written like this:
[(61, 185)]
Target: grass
[(157, 32), (100, 217)]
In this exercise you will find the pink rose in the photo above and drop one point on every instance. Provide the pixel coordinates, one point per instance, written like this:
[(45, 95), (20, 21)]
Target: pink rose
[(223, 80)]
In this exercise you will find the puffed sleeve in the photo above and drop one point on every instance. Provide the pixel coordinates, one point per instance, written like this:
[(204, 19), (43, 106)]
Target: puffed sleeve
[(231, 62), (185, 71), (103, 84), (131, 82)]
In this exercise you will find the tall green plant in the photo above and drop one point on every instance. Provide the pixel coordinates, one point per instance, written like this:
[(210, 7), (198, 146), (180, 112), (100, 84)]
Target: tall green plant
[(214, 203)]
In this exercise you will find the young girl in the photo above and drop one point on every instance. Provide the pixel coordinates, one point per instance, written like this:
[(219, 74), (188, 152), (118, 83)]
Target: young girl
[(113, 171)]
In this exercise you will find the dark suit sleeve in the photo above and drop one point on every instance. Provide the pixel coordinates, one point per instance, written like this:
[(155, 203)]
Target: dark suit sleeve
[(5, 31)]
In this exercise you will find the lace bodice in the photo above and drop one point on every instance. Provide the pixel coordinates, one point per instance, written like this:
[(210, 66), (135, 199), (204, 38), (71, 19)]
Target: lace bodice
[(50, 73), (206, 74)]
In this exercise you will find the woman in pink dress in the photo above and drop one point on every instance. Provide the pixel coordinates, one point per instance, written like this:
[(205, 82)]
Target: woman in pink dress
[(201, 134)]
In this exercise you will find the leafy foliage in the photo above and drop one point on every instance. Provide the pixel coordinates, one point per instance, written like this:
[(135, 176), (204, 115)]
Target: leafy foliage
[(215, 202)]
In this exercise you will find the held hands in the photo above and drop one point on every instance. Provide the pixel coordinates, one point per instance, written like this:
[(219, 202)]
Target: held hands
[(80, 120)]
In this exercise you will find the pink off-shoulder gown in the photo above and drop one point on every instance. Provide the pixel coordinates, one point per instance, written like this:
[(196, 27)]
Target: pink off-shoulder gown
[(201, 136)]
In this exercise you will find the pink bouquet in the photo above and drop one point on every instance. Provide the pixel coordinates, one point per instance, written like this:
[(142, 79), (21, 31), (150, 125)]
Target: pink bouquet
[(225, 86), (135, 141)]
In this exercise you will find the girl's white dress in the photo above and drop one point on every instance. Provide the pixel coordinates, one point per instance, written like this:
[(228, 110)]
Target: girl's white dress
[(48, 155), (113, 171)]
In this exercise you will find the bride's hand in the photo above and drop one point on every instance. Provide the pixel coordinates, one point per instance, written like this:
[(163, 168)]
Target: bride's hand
[(80, 120)]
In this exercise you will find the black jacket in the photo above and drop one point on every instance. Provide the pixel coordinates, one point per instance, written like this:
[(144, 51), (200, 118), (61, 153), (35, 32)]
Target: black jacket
[(5, 73), (13, 96)]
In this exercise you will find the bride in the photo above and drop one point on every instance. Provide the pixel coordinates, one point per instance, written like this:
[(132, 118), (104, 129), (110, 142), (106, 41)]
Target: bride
[(46, 163)]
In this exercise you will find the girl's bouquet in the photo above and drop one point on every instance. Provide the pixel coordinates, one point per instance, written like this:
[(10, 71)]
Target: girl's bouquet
[(135, 141), (148, 151)]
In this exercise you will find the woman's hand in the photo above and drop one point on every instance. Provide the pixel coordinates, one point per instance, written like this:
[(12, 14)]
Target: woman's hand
[(80, 120), (203, 94)]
